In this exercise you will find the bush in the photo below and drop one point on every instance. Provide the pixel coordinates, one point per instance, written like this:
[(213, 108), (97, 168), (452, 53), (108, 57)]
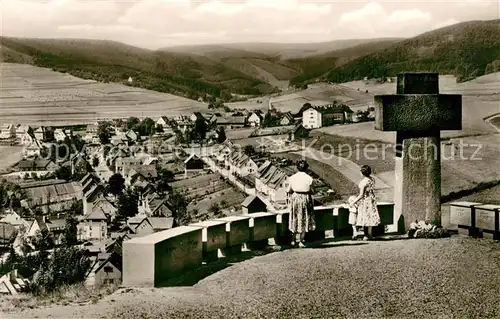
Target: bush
[(66, 266)]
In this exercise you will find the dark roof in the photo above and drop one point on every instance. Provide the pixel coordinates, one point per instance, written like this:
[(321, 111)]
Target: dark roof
[(55, 224), (42, 183), (334, 109), (232, 120), (250, 199), (7, 231), (36, 163), (41, 223), (54, 193), (94, 191), (299, 126), (147, 171), (114, 259), (161, 223), (155, 203), (199, 115)]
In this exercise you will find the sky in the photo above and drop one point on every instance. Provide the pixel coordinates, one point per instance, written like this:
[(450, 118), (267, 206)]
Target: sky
[(155, 24)]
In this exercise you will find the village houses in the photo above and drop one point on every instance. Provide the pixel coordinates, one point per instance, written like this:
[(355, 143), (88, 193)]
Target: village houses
[(41, 133), (55, 227), (253, 204), (241, 164), (287, 119), (37, 165), (33, 146), (22, 129), (60, 134), (7, 131), (272, 182), (56, 198), (324, 114), (93, 226), (163, 121), (255, 119), (193, 164), (231, 122), (12, 283), (106, 270), (155, 206)]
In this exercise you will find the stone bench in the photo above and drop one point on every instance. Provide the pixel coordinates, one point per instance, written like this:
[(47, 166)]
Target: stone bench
[(475, 219), (487, 221), (462, 215)]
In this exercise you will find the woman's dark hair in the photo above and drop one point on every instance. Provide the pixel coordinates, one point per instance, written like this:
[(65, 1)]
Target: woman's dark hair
[(302, 166), (366, 170)]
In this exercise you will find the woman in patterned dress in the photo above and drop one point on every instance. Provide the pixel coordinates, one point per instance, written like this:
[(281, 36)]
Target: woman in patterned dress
[(301, 204), (368, 216)]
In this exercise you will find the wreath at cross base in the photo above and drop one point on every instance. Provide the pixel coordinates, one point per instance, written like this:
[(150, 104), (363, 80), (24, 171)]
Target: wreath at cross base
[(423, 229)]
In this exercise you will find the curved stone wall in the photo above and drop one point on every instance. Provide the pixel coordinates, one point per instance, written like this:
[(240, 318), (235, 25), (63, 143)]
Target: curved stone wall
[(150, 260)]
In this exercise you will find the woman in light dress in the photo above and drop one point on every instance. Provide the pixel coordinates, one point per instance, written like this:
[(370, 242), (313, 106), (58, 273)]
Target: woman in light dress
[(366, 203), (301, 204)]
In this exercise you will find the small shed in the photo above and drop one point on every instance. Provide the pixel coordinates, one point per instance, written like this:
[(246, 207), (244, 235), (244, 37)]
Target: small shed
[(298, 133), (253, 204), (193, 164)]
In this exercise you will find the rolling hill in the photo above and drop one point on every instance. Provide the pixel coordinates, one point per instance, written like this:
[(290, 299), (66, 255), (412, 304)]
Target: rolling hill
[(107, 61), (230, 71), (466, 50), (285, 51), (192, 72)]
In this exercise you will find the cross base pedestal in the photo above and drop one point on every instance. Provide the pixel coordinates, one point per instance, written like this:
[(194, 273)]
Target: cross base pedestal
[(418, 181)]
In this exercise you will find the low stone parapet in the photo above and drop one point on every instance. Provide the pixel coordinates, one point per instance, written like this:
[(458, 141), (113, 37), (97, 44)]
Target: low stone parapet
[(214, 238), (237, 231), (153, 259)]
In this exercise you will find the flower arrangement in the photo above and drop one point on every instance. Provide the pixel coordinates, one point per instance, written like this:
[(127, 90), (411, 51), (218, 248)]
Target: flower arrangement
[(424, 229)]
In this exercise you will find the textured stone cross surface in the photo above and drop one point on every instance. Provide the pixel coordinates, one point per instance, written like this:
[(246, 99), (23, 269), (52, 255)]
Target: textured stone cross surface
[(418, 113)]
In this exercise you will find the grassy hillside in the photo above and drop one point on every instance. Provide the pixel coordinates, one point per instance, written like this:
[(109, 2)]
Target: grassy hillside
[(108, 61), (467, 50)]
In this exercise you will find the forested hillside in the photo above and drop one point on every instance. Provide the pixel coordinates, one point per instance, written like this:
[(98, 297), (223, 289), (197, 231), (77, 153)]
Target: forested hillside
[(467, 50)]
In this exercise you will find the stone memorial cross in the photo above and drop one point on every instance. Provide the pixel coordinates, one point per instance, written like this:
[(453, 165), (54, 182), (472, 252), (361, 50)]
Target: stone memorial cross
[(418, 113)]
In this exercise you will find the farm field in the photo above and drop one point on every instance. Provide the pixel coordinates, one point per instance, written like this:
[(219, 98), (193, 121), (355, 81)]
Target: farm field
[(38, 96), (9, 155), (229, 197), (237, 134), (206, 189)]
